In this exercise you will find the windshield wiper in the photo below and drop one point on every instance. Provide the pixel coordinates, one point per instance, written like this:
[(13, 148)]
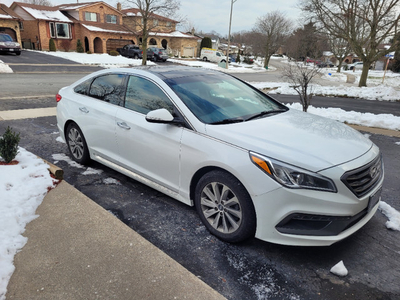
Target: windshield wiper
[(264, 113), (228, 121)]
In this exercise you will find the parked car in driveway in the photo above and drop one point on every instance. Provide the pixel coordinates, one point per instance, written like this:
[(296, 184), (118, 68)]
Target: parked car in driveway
[(7, 44), (158, 54), (322, 64), (357, 65), (250, 165), (133, 51)]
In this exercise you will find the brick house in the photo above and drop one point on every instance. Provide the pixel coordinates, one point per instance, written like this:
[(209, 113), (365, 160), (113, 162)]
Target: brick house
[(163, 33), (97, 24), (10, 22)]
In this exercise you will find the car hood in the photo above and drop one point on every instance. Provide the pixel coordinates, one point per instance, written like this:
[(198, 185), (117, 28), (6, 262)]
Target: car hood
[(302, 139)]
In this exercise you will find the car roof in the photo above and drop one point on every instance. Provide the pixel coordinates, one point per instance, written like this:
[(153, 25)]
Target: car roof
[(169, 72)]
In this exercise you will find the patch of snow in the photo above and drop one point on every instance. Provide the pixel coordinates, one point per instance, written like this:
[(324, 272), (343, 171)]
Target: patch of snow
[(59, 139), (4, 68), (392, 214), (22, 189), (381, 93), (397, 143), (63, 157), (111, 181), (387, 121), (103, 60), (339, 269), (91, 171), (97, 29), (49, 15)]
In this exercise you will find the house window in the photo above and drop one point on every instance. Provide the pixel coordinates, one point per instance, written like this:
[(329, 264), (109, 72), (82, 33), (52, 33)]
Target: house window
[(169, 24), (21, 25), (155, 22), (90, 16), (60, 30), (111, 19), (52, 30)]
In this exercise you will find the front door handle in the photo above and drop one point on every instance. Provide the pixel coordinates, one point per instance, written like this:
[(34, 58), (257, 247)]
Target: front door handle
[(123, 125), (84, 109)]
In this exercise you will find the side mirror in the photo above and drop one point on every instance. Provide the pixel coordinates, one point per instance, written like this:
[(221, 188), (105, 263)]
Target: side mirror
[(159, 116)]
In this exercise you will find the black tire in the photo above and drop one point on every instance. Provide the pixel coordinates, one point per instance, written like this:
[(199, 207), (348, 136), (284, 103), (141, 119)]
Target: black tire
[(136, 56), (230, 215), (18, 52), (77, 144), (204, 58)]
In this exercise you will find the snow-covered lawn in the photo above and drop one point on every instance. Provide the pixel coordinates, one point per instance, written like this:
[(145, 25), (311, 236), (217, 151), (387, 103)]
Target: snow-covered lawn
[(22, 189), (104, 60)]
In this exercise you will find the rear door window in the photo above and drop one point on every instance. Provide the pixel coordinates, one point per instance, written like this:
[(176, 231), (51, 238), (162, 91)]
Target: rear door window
[(108, 88)]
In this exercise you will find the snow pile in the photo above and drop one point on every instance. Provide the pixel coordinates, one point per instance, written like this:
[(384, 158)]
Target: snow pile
[(392, 214), (22, 189), (232, 68), (339, 269), (103, 60), (4, 68), (387, 121), (369, 93)]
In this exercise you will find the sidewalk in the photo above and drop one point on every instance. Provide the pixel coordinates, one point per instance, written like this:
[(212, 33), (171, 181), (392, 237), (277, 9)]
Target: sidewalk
[(78, 250)]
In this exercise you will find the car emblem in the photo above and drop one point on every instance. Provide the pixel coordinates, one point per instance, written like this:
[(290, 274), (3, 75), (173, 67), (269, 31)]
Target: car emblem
[(373, 171)]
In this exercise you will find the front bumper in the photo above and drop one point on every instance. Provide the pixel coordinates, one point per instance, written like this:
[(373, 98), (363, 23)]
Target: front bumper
[(314, 218)]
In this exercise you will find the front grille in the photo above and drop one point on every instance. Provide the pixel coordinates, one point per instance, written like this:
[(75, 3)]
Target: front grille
[(362, 180)]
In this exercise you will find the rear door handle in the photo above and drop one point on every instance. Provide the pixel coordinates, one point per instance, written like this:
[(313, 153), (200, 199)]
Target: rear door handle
[(84, 109), (123, 125)]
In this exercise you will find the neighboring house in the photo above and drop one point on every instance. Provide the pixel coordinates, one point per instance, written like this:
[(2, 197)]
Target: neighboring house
[(97, 24), (10, 22), (163, 33)]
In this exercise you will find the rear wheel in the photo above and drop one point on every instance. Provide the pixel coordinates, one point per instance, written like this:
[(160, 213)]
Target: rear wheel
[(205, 58), (135, 56), (77, 144), (225, 207)]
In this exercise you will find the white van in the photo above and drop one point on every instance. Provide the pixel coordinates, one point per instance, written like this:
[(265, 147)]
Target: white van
[(213, 55)]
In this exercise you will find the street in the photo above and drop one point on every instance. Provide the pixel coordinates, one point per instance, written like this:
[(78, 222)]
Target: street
[(250, 270)]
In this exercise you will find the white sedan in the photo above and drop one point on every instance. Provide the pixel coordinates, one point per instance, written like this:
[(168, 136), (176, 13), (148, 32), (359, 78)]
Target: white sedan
[(250, 166)]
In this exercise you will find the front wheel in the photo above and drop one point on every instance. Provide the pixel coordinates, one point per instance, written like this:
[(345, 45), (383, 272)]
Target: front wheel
[(77, 144), (204, 58), (225, 207)]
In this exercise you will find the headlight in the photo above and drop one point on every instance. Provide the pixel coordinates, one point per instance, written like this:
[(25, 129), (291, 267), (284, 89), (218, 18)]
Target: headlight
[(291, 176), (2, 44)]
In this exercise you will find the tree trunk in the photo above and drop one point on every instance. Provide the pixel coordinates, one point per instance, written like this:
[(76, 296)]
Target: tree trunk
[(364, 74), (144, 50)]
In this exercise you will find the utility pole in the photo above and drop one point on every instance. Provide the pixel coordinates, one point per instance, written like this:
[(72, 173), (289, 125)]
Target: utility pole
[(229, 35)]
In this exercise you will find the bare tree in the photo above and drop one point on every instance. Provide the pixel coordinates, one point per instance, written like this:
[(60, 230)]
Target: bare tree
[(39, 2), (365, 24), (274, 28), (300, 76), (147, 9), (340, 49)]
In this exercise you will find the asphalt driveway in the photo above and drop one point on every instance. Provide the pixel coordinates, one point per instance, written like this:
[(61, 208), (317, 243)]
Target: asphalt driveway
[(36, 62)]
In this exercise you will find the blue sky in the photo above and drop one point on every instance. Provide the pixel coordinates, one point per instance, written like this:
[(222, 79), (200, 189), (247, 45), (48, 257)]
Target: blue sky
[(208, 15)]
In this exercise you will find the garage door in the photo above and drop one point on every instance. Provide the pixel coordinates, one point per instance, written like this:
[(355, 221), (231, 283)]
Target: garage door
[(9, 31), (188, 52), (113, 44)]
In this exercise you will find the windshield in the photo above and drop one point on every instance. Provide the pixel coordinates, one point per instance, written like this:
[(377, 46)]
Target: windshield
[(219, 98), (5, 38)]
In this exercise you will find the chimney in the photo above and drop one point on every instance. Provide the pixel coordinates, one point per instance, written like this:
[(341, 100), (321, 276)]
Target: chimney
[(119, 6)]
